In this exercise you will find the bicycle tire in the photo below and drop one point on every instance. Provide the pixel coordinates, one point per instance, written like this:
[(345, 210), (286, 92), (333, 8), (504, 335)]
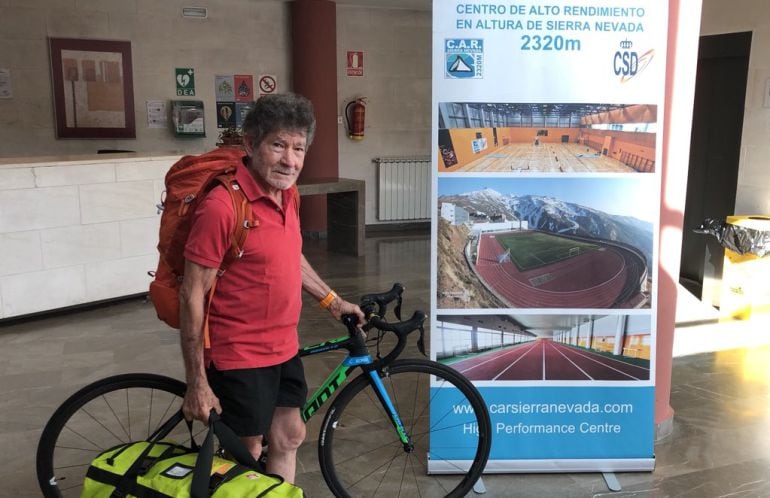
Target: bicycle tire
[(91, 421), (358, 444)]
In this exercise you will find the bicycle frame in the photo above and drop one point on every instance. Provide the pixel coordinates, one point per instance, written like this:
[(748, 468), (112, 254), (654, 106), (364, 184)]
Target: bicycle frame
[(358, 356)]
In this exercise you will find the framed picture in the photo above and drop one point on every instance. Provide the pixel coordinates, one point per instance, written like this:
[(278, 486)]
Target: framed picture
[(93, 90)]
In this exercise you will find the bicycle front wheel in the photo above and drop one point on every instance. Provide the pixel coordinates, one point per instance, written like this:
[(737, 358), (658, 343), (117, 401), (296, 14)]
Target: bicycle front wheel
[(109, 412), (444, 416)]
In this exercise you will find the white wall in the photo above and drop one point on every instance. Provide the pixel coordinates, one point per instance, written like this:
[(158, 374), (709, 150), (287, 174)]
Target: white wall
[(396, 82), (720, 16), (239, 37), (77, 232)]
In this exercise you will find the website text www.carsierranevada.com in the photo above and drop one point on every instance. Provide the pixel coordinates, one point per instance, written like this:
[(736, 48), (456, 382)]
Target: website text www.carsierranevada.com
[(551, 408), (588, 407)]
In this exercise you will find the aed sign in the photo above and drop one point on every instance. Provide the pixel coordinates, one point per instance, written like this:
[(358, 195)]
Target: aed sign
[(185, 82)]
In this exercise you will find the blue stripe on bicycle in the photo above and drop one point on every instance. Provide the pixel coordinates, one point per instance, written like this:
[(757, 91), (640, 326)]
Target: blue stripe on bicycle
[(352, 361)]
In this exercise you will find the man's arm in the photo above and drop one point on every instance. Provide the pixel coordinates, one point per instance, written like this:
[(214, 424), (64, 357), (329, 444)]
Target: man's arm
[(198, 399), (317, 288)]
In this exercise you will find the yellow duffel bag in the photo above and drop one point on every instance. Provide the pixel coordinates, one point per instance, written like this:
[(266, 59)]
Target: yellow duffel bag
[(157, 468)]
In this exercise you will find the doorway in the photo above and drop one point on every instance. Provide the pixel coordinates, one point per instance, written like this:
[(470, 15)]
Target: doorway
[(712, 181)]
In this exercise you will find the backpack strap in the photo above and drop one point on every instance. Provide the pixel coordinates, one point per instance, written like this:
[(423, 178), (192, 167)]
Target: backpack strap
[(244, 220), (206, 335), (295, 197)]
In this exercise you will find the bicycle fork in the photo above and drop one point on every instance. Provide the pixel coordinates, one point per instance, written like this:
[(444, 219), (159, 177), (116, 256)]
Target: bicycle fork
[(384, 397)]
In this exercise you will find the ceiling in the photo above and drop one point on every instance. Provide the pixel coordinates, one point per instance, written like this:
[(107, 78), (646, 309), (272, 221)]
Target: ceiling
[(390, 4), (536, 325)]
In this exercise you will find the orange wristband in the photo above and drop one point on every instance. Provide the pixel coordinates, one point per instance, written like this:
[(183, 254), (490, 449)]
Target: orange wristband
[(327, 301)]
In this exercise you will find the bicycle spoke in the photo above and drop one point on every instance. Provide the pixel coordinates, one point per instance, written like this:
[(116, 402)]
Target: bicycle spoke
[(165, 414), (95, 445), (74, 486), (128, 412), (117, 418), (149, 417), (64, 467), (99, 416), (103, 426), (384, 474), (356, 437)]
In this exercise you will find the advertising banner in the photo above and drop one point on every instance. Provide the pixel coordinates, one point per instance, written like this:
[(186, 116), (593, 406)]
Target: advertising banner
[(547, 133)]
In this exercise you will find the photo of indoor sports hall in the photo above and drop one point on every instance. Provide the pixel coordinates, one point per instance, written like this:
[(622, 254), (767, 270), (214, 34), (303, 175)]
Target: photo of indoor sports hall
[(79, 215), (546, 137)]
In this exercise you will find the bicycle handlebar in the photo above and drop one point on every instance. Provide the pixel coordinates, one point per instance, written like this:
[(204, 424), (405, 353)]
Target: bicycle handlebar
[(399, 328), (381, 301), (375, 319)]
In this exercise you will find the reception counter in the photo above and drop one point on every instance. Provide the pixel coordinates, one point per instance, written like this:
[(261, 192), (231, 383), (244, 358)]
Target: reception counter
[(82, 229)]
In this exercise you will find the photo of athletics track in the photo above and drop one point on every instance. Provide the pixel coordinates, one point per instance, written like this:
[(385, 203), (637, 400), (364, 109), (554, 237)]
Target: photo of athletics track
[(536, 269), (546, 137), (545, 242), (546, 347), (545, 360)]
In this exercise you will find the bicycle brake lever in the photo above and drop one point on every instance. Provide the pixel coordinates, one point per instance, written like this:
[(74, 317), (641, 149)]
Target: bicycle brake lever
[(421, 341), (397, 309)]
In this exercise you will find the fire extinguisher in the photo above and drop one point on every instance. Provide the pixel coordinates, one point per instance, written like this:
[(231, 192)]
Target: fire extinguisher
[(354, 115)]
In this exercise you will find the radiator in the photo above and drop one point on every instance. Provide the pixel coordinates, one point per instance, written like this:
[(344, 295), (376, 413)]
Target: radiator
[(403, 188)]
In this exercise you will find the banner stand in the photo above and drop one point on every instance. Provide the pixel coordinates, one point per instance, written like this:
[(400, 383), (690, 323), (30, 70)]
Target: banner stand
[(547, 150)]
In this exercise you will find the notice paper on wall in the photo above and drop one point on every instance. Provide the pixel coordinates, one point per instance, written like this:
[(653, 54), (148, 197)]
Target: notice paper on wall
[(6, 88), (547, 134), (157, 114)]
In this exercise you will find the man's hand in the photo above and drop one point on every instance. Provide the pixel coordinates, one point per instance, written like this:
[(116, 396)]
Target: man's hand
[(198, 402), (339, 307)]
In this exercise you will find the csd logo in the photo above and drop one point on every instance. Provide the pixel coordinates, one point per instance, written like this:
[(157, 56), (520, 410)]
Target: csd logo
[(627, 63)]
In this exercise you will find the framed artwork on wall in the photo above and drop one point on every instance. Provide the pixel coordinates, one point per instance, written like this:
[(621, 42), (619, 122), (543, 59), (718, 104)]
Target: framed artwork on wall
[(93, 90)]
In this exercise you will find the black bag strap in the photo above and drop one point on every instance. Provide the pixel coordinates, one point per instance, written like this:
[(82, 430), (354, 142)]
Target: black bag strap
[(141, 463), (230, 442)]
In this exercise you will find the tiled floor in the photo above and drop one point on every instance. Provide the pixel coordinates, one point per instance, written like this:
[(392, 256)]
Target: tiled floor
[(720, 444)]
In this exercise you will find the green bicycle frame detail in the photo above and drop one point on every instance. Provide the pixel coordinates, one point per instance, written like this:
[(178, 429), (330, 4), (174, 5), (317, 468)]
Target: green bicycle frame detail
[(340, 374), (326, 390)]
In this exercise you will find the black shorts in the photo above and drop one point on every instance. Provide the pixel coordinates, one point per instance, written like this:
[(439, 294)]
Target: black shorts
[(249, 396)]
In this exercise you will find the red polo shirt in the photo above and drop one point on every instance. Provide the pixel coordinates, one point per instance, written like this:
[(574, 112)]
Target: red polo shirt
[(257, 302)]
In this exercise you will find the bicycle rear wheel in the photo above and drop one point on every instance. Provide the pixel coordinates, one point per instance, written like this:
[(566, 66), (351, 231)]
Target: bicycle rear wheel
[(448, 423), (102, 415)]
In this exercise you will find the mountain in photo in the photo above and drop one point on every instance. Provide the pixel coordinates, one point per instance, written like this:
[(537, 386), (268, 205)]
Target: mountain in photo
[(556, 216)]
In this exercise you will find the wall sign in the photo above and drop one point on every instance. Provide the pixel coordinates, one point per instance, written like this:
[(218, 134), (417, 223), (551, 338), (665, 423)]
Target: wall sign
[(355, 63), (6, 89), (185, 81), (267, 84), (244, 87)]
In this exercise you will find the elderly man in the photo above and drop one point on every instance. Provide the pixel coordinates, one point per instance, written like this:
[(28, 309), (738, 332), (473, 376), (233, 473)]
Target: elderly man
[(252, 374)]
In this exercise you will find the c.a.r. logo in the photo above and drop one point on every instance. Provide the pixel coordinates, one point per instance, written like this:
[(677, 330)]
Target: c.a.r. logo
[(464, 58)]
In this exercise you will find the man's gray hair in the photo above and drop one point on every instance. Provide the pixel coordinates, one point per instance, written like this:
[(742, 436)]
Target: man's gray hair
[(283, 111)]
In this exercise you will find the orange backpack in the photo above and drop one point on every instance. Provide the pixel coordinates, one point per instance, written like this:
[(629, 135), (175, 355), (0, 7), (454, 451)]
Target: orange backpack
[(187, 183)]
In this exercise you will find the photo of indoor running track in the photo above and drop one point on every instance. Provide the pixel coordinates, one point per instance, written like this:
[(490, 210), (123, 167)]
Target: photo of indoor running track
[(546, 137), (546, 347)]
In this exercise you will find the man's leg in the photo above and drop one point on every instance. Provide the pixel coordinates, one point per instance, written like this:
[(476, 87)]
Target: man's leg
[(287, 433), (253, 444)]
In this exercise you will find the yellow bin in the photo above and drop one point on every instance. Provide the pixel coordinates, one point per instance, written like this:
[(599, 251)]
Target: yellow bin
[(745, 277)]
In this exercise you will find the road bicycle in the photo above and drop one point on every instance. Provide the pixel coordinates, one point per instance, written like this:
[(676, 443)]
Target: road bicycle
[(406, 427)]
